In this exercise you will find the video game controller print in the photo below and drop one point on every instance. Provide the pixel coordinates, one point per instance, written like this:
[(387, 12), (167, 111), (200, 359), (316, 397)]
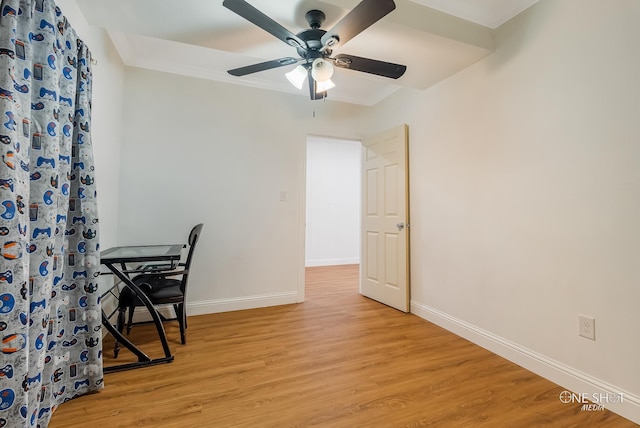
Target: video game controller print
[(41, 231), (35, 305), (70, 343), (46, 161), (80, 274), (80, 383), (6, 276), (6, 183), (77, 329), (69, 287), (44, 92), (6, 371), (65, 100)]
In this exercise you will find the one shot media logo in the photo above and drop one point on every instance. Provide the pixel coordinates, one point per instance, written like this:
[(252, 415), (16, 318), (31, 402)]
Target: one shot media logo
[(591, 402)]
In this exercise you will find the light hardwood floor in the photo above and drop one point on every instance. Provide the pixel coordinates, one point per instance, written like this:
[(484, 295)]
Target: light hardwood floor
[(337, 360)]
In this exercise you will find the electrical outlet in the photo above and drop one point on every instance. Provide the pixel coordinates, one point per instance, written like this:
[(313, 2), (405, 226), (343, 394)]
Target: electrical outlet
[(587, 327)]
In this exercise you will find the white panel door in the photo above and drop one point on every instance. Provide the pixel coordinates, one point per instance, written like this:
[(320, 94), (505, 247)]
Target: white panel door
[(384, 270)]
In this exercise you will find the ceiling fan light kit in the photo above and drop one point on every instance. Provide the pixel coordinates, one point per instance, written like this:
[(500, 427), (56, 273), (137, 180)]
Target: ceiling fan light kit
[(321, 70), (297, 76), (314, 45), (324, 86)]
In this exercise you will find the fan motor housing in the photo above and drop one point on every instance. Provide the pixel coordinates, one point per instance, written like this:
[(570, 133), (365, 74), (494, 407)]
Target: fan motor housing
[(312, 38), (315, 18)]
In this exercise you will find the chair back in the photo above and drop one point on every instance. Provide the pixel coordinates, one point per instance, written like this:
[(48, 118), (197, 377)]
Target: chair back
[(193, 240)]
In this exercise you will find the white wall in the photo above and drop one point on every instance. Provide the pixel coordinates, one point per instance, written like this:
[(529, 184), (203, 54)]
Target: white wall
[(525, 195), (333, 201), (203, 151), (107, 126)]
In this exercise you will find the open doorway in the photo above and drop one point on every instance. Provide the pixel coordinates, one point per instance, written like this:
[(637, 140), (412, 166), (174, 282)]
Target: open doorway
[(333, 202)]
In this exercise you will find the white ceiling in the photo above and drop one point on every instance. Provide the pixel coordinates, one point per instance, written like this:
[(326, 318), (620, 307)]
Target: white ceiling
[(202, 38)]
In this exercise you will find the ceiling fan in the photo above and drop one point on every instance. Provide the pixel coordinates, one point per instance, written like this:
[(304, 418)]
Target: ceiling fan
[(315, 45)]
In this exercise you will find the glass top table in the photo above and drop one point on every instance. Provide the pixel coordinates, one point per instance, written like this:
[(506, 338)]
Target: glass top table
[(116, 260), (141, 253)]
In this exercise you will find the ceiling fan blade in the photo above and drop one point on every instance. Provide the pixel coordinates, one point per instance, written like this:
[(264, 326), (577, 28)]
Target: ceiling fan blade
[(253, 15), (361, 17), (262, 66), (367, 65)]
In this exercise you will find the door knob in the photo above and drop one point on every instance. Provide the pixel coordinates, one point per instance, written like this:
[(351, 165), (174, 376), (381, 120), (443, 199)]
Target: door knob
[(400, 226)]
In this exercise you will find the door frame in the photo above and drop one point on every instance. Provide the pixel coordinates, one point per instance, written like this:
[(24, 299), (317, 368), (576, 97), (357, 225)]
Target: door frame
[(303, 211)]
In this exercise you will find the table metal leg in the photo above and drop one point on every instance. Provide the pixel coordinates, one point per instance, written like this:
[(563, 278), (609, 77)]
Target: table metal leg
[(143, 359)]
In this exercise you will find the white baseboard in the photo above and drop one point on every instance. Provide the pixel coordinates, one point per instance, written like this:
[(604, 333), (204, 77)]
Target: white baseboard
[(222, 305), (567, 377), (241, 303), (332, 262)]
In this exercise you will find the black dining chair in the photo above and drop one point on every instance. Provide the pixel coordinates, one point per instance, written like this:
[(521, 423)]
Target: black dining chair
[(163, 287)]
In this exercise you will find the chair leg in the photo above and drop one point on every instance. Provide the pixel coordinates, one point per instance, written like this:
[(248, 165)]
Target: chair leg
[(182, 321), (120, 327), (130, 320)]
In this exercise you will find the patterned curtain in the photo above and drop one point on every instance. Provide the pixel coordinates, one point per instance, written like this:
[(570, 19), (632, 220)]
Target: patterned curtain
[(49, 260)]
